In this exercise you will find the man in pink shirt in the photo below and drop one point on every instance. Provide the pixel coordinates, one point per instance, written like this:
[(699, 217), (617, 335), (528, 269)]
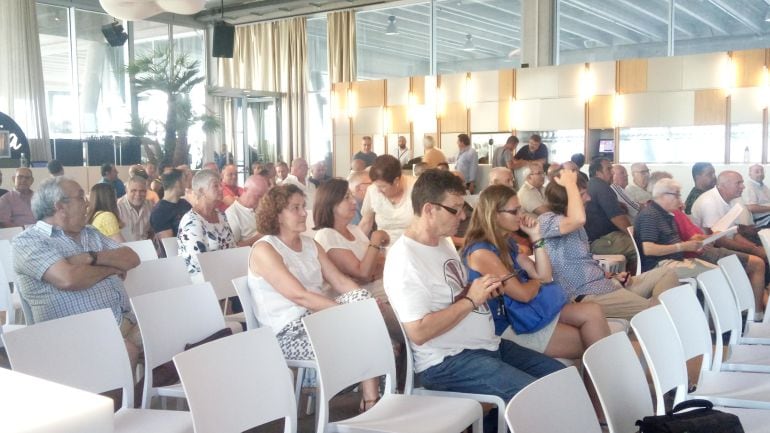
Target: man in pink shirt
[(15, 205)]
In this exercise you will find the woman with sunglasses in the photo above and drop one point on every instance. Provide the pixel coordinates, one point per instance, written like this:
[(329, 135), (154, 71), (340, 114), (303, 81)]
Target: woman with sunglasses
[(489, 249)]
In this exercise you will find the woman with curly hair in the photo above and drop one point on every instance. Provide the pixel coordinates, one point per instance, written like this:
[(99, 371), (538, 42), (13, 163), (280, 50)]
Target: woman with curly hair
[(489, 249), (286, 276)]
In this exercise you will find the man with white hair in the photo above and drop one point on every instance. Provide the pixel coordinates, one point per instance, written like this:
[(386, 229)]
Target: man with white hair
[(532, 193), (135, 210), (640, 178), (657, 235), (358, 182), (432, 156), (242, 216), (318, 174), (618, 185), (298, 177), (501, 176), (757, 195)]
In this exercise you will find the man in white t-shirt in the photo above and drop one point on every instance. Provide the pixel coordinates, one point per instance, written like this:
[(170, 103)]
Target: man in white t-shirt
[(757, 196), (242, 215), (449, 327), (298, 177)]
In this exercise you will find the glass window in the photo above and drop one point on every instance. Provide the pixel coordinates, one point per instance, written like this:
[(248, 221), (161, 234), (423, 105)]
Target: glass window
[(53, 27), (191, 42), (148, 37), (746, 143), (682, 144), (706, 26), (401, 35), (598, 30), (319, 90), (477, 36)]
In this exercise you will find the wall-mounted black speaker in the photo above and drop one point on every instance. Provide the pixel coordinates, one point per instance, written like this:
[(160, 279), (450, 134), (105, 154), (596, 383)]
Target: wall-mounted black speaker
[(224, 40), (114, 34)]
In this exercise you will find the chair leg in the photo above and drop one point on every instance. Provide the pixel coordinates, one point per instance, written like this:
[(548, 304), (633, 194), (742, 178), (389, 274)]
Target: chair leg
[(298, 383), (478, 425), (501, 426)]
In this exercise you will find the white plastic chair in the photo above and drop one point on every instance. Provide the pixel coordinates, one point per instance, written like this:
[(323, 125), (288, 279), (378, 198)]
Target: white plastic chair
[(170, 319), (739, 281), (221, 266), (685, 312), (666, 360), (6, 304), (351, 344), (154, 275), (86, 351), (6, 258), (557, 403), (9, 232), (727, 317), (170, 246), (254, 388), (247, 302), (144, 249), (630, 230)]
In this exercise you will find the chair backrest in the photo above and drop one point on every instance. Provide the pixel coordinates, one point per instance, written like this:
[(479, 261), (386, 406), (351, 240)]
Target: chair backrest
[(144, 249), (241, 285), (154, 275), (170, 319), (6, 304), (221, 266), (663, 352), (721, 302), (351, 344), (237, 383), (6, 258), (619, 381), (9, 232), (170, 246), (739, 282), (557, 403), (764, 237), (691, 325), (630, 230), (85, 351)]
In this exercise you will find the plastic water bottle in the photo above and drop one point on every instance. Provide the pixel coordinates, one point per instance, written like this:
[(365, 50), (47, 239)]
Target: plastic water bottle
[(746, 155), (24, 162)]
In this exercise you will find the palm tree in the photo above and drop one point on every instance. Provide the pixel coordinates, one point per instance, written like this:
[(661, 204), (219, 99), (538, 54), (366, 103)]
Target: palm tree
[(174, 74)]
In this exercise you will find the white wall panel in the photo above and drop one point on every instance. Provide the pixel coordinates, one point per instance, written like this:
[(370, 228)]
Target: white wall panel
[(746, 105), (398, 91), (664, 74), (604, 74), (659, 109), (453, 87), (534, 83), (562, 113), (569, 80), (484, 117), (703, 71), (485, 86), (368, 121)]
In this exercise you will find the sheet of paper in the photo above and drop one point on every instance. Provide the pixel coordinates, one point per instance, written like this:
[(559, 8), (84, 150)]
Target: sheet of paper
[(729, 232), (726, 221)]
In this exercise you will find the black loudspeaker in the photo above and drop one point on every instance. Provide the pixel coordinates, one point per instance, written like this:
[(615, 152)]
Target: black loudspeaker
[(114, 34), (224, 40)]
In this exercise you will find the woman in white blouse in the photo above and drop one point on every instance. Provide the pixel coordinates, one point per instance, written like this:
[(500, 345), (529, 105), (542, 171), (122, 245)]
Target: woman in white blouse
[(388, 200)]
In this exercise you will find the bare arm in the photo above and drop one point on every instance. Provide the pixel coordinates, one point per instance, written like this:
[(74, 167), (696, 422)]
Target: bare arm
[(74, 274), (541, 268), (653, 249), (621, 222), (757, 208), (367, 269), (434, 324), (340, 282), (250, 241), (576, 211), (540, 209), (118, 237), (165, 234), (487, 262), (367, 221), (123, 258)]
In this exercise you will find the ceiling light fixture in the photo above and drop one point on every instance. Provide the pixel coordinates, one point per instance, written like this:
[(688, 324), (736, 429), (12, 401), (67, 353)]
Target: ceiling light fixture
[(468, 45), (391, 29)]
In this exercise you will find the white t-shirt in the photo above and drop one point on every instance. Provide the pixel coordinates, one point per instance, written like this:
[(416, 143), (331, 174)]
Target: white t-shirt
[(243, 221), (710, 207), (271, 307), (391, 218), (308, 189), (419, 280), (757, 194), (329, 239)]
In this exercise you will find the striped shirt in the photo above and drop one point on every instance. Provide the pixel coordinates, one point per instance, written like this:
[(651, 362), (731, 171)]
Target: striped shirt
[(41, 246), (654, 224)]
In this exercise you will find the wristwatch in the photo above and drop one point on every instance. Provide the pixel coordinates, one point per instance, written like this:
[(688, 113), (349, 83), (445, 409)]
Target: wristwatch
[(93, 257)]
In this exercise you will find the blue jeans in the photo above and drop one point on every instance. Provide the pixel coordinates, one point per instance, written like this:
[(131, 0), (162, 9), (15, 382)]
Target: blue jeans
[(502, 373)]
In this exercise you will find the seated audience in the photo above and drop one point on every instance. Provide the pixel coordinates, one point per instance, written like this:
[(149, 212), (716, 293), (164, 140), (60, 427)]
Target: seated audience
[(230, 188), (432, 157), (318, 174), (212, 166), (532, 193), (167, 214), (640, 178), (110, 176), (287, 273), (134, 210), (534, 151), (442, 166), (281, 172), (657, 235), (242, 215), (489, 249), (418, 169), (271, 174), (466, 161), (503, 155), (619, 183), (366, 154), (501, 176), (757, 196), (256, 167), (358, 182), (402, 152), (2, 191), (103, 212), (16, 204), (138, 170), (580, 160), (574, 268), (449, 326), (59, 277), (704, 176), (152, 171), (387, 201), (204, 227), (606, 222), (55, 168), (298, 178), (357, 165)]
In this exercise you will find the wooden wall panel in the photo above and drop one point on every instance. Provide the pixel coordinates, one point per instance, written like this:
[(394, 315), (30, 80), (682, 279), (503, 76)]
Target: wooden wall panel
[(632, 76), (505, 86), (399, 123), (418, 89), (600, 112), (710, 107), (370, 93), (749, 68), (368, 121), (504, 116), (665, 74), (455, 118)]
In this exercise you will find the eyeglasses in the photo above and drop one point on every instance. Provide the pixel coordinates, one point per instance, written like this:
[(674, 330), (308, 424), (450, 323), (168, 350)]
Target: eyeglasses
[(451, 210), (510, 211)]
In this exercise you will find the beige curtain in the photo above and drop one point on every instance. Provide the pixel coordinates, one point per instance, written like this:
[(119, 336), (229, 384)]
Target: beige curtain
[(22, 90), (273, 57), (341, 34)]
